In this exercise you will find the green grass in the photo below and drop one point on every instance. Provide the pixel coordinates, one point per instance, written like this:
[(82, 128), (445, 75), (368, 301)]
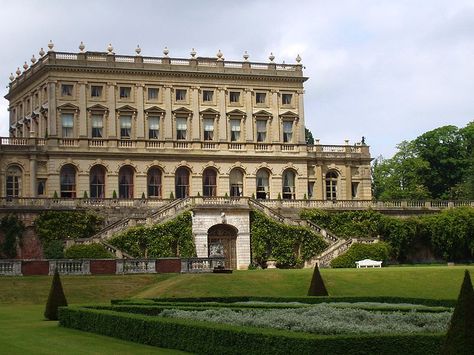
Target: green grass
[(22, 299)]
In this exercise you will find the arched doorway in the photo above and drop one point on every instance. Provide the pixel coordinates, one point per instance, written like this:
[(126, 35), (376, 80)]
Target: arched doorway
[(182, 182), (331, 185), (126, 174), (221, 241)]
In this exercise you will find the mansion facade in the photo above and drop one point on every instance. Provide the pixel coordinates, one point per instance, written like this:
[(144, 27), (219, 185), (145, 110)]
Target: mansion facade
[(101, 125)]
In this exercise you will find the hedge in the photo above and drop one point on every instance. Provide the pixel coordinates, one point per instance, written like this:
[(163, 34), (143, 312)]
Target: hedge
[(306, 300), (87, 251), (359, 251), (208, 338)]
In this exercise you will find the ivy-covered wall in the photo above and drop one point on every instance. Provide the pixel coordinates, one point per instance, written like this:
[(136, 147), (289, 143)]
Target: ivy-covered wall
[(448, 234), (173, 238), (290, 246), (12, 230)]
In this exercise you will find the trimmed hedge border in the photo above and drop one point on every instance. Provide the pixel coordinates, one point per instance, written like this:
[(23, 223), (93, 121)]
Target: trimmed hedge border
[(208, 338), (308, 300)]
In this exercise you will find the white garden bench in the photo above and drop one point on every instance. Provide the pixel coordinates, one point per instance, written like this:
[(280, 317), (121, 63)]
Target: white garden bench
[(368, 263)]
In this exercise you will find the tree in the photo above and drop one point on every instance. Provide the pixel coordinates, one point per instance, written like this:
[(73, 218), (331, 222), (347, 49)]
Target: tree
[(460, 337), (12, 229), (308, 136), (317, 287), (401, 176), (56, 298)]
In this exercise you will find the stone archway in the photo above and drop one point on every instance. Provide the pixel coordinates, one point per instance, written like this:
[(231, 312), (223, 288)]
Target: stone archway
[(221, 241)]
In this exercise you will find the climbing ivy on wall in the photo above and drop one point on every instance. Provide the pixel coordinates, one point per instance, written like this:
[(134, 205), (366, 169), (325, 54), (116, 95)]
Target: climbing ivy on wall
[(172, 238), (290, 246), (12, 229)]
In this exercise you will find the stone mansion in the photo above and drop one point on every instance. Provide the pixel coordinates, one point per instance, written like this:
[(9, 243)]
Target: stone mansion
[(102, 125)]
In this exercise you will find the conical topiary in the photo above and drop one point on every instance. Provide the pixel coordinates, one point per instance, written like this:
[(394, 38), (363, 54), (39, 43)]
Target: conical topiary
[(460, 337), (317, 287), (56, 298)]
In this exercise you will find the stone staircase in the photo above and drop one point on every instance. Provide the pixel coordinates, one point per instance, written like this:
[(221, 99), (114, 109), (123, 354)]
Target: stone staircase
[(336, 247)]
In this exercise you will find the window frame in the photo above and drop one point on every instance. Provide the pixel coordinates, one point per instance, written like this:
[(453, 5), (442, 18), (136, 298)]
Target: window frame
[(101, 91), (63, 87), (130, 92), (148, 91)]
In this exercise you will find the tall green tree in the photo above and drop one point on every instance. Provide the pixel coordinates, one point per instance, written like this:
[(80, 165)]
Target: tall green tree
[(308, 136), (401, 176)]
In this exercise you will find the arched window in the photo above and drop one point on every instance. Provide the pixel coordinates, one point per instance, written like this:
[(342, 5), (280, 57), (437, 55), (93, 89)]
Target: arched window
[(331, 185), (236, 181), (97, 181), (126, 182), (209, 183), (13, 181), (182, 183), (154, 182), (68, 181), (263, 184), (288, 192)]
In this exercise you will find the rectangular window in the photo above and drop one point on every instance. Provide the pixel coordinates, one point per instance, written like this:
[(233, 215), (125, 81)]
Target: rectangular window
[(181, 128), (41, 187), (154, 127), (355, 188), (67, 120), (261, 131), (96, 91), (180, 95), (286, 99), (125, 92), (234, 97), (97, 126), (287, 131), (207, 95), (66, 90), (260, 97), (125, 127), (235, 130), (208, 124), (153, 94)]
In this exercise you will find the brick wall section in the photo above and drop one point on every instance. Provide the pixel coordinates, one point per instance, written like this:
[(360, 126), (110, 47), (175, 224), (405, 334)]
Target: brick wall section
[(103, 266), (34, 267), (169, 265)]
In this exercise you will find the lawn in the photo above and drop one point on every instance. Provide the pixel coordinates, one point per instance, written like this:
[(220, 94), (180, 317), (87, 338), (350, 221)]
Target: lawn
[(22, 299)]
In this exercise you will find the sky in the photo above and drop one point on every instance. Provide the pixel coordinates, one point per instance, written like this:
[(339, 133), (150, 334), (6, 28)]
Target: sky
[(386, 70)]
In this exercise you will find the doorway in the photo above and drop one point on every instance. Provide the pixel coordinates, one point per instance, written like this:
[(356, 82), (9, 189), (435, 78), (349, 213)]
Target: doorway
[(221, 241)]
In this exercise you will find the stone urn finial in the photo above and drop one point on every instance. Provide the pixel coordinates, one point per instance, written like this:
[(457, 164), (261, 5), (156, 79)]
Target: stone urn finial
[(41, 52), (193, 53), (298, 59), (138, 50), (271, 57), (246, 56), (18, 71), (11, 77), (220, 56), (110, 49), (166, 51), (33, 59), (25, 66), (51, 45), (82, 47)]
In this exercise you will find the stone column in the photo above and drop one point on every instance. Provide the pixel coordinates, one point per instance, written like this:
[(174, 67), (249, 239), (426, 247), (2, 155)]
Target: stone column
[(168, 121), (32, 176), (196, 117), (82, 110), (348, 182), (140, 125), (112, 118), (275, 123), (300, 123), (222, 131), (319, 185), (52, 114), (249, 136)]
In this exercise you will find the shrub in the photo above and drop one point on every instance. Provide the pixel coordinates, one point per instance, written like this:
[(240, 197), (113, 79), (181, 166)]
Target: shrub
[(12, 229), (460, 336), (56, 298), (87, 251), (317, 287), (359, 251), (53, 249)]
